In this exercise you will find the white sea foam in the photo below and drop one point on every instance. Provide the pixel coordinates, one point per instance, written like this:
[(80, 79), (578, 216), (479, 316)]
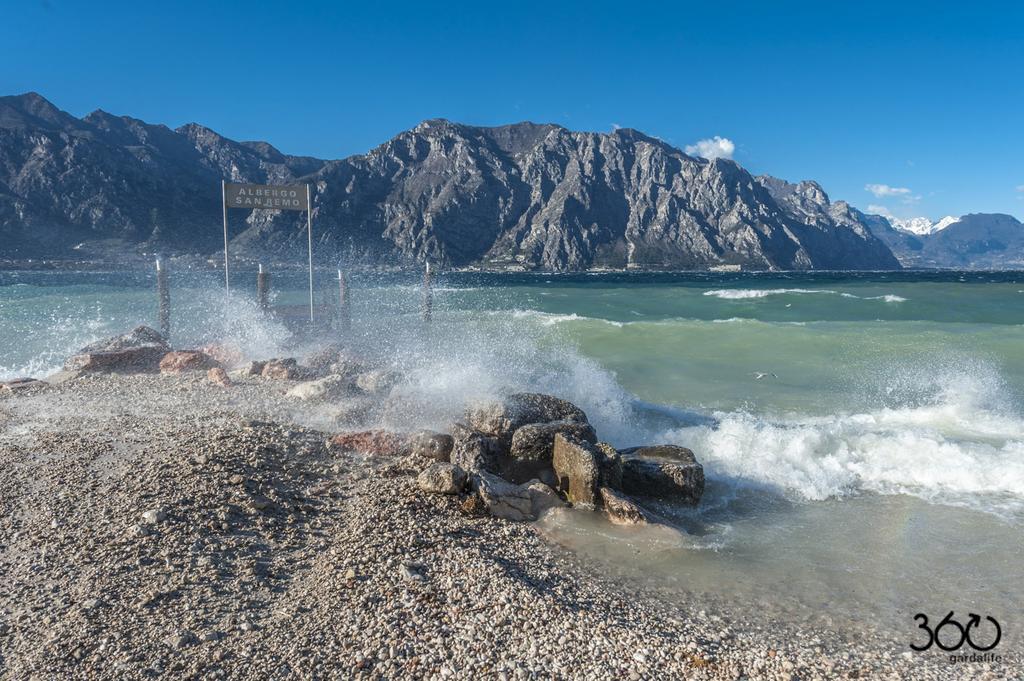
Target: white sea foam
[(747, 294), (956, 450)]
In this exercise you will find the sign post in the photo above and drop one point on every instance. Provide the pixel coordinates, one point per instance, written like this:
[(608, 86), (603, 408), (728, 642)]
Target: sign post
[(268, 197)]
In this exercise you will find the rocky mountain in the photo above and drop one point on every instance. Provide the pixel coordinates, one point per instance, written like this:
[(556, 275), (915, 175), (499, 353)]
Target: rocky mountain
[(976, 241), (521, 196)]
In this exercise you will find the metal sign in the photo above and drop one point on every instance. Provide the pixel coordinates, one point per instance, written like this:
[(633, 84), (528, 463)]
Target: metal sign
[(285, 197), (268, 197)]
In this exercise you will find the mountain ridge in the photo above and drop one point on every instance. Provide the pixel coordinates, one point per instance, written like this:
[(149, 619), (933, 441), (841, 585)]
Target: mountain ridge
[(530, 196)]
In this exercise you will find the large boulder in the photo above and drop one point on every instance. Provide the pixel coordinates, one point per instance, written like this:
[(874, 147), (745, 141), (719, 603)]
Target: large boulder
[(502, 499), (535, 442), (326, 388), (581, 467), (179, 361), (474, 451), (500, 418), (680, 480), (139, 350), (577, 469), (442, 478), (140, 336), (430, 445)]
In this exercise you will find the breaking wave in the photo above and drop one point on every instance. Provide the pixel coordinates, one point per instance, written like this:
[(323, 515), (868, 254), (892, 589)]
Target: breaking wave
[(748, 293)]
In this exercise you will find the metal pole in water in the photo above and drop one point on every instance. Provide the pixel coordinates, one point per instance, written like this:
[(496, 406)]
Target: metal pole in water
[(343, 311), (163, 293), (224, 206), (263, 289), (309, 231), (428, 295)]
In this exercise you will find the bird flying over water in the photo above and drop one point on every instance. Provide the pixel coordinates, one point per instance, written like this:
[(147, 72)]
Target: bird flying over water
[(758, 375)]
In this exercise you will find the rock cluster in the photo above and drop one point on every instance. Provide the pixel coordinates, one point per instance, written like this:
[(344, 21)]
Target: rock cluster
[(530, 452)]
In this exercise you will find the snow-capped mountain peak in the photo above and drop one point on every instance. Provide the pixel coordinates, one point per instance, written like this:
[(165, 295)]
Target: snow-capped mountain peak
[(922, 226)]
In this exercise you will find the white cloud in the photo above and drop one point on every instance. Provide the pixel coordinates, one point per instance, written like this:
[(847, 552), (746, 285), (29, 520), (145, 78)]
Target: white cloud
[(1020, 188), (875, 209), (714, 147), (881, 190), (616, 126)]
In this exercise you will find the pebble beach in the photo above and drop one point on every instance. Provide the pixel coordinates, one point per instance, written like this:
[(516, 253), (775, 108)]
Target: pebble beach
[(167, 526)]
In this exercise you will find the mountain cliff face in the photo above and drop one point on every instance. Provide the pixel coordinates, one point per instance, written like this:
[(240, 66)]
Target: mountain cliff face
[(521, 196)]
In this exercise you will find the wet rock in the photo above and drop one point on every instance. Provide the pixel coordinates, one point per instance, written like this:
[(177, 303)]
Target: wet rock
[(139, 337), (542, 497), (321, 359), (253, 368), (218, 376), (620, 509), (141, 359), (502, 417), (474, 451), (179, 361), (377, 381), (502, 499), (680, 480), (577, 470), (610, 463), (225, 354), (431, 445), (327, 388), (281, 369), (442, 478), (533, 445), (373, 442)]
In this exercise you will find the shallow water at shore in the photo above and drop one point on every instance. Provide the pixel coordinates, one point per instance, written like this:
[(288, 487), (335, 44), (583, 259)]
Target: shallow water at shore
[(875, 469)]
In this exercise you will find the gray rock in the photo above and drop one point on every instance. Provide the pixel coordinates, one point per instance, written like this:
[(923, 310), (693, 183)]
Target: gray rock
[(327, 388), (680, 480), (536, 441), (502, 417), (514, 502), (140, 336), (576, 467), (442, 478), (622, 510), (430, 445), (473, 451), (141, 359), (282, 369)]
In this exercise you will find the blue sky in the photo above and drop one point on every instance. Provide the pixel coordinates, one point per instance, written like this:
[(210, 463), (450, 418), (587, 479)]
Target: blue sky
[(914, 107)]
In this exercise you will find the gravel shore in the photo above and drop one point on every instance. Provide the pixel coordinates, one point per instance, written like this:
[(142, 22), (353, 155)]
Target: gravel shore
[(164, 526)]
